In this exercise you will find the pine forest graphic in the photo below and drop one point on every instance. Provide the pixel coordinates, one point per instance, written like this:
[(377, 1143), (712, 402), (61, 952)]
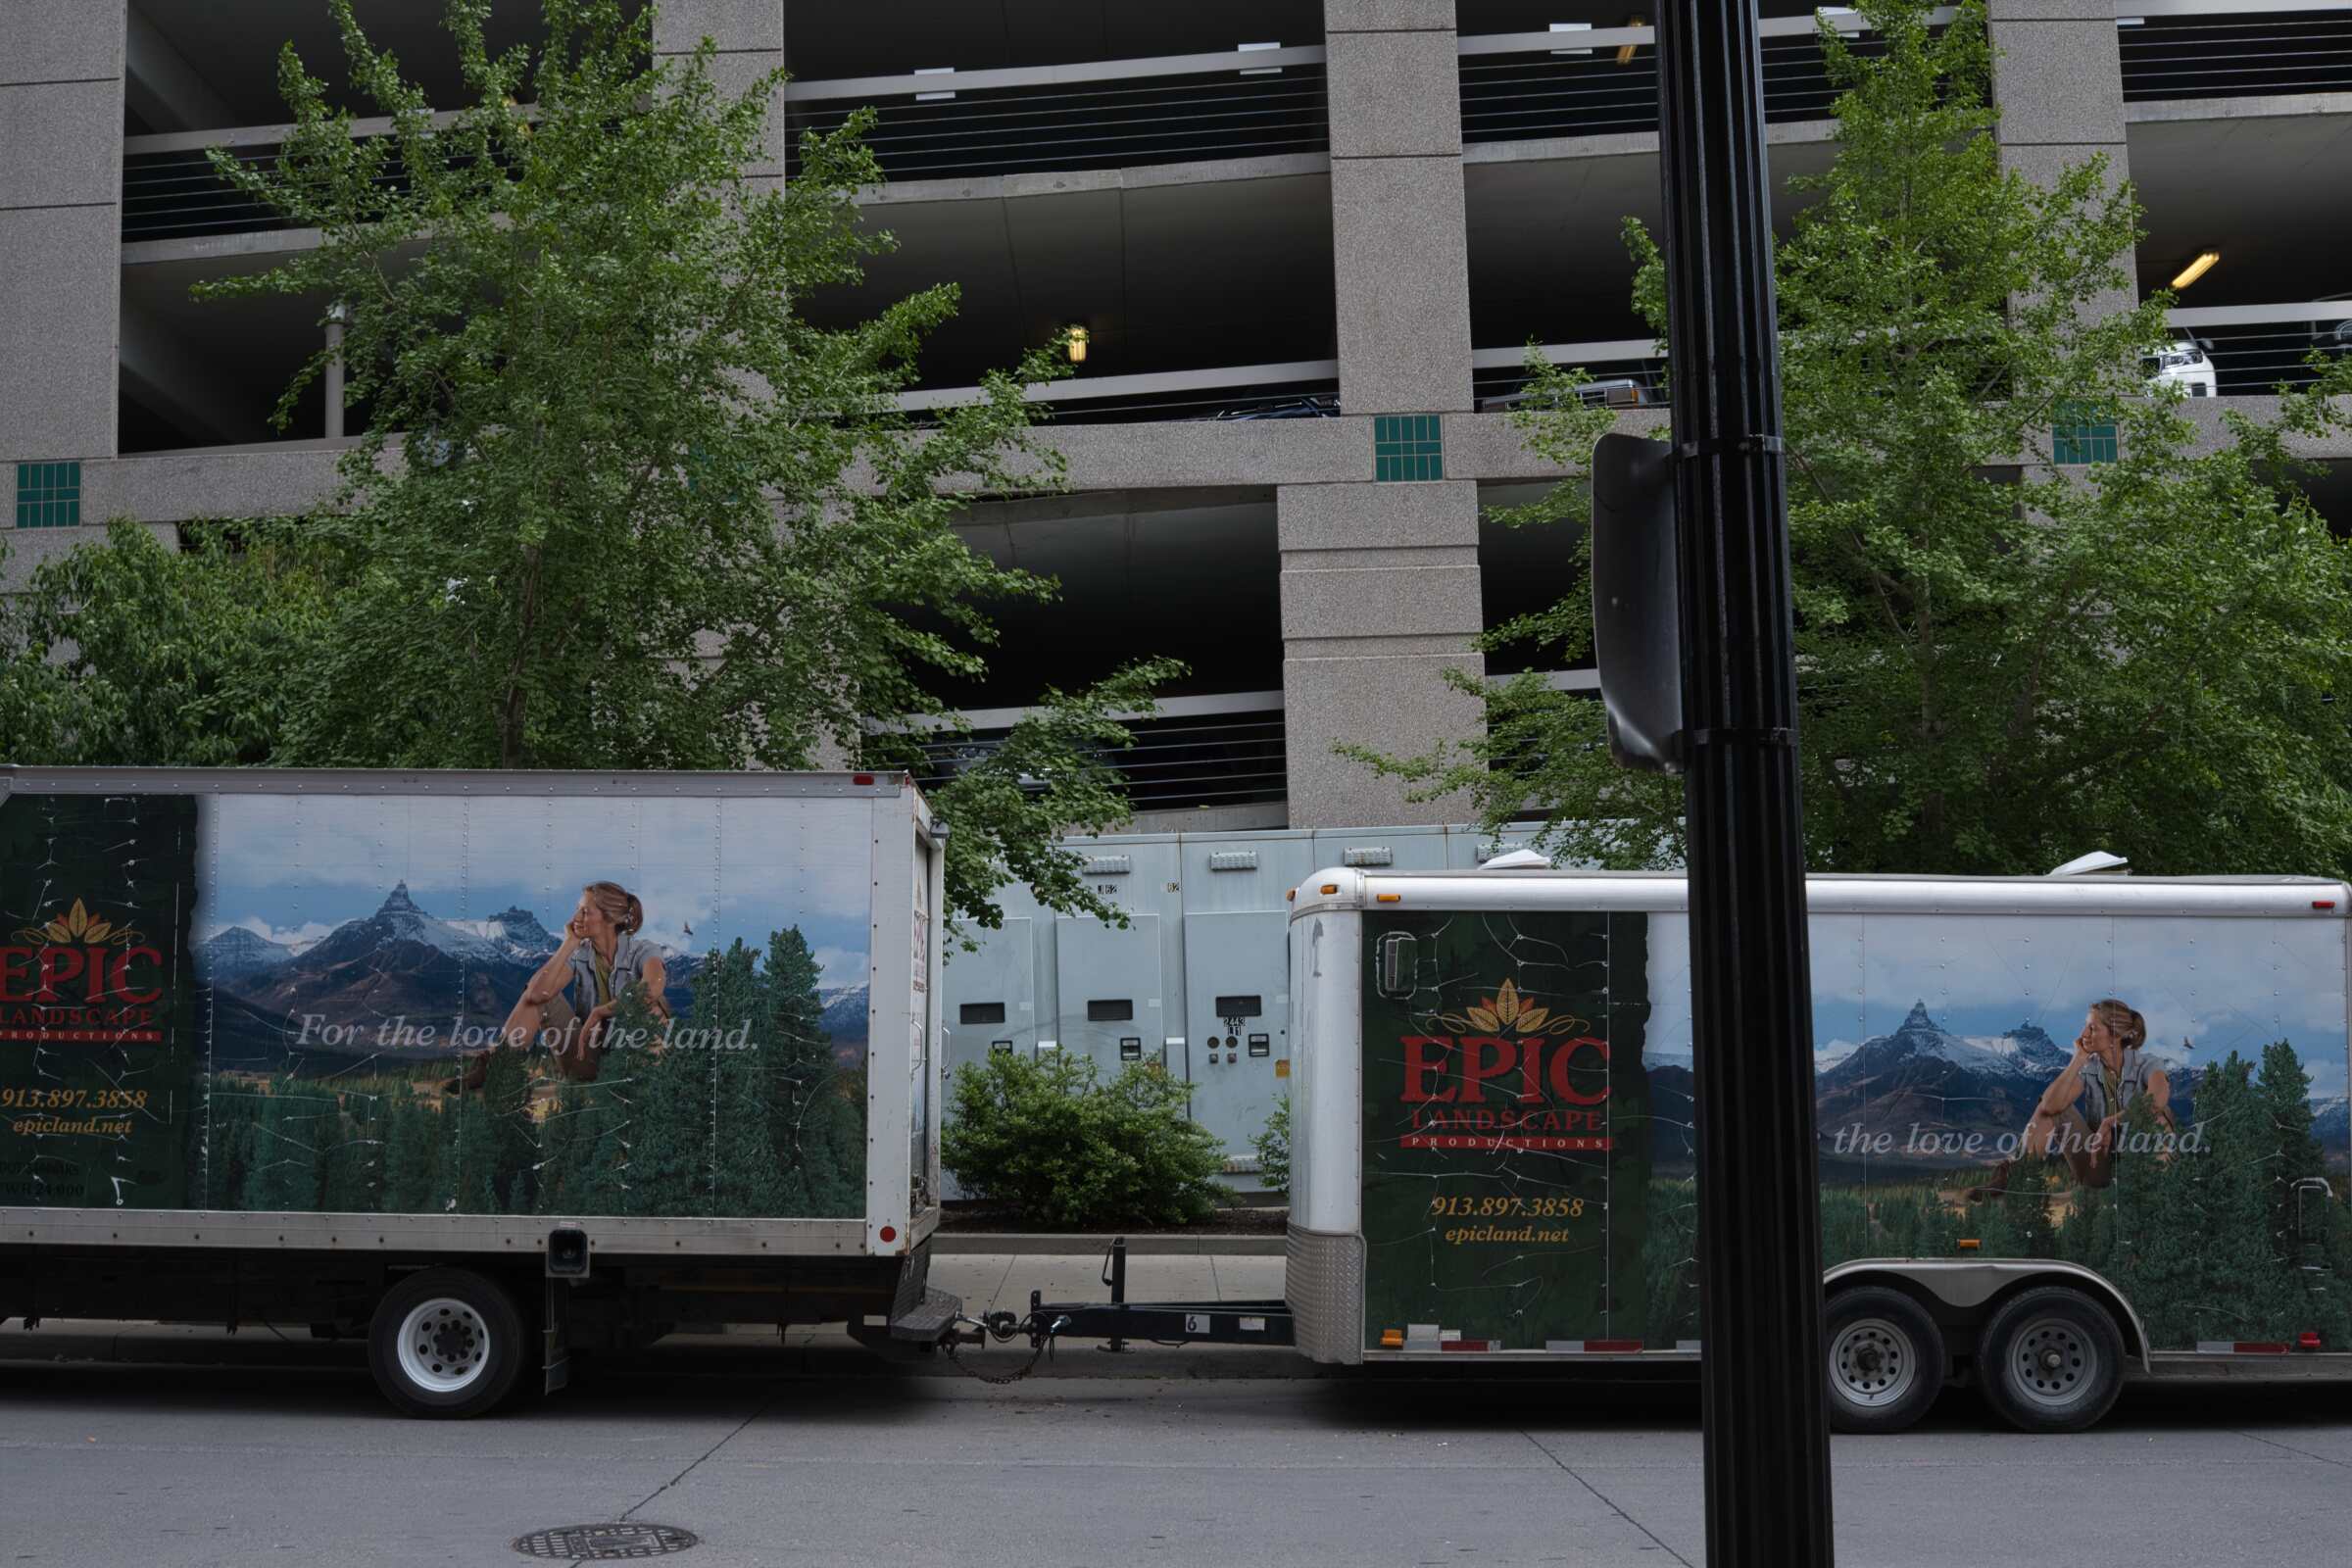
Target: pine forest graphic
[(664, 1013), (1941, 1046)]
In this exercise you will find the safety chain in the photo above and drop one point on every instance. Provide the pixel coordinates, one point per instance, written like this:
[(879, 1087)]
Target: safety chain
[(1003, 1326)]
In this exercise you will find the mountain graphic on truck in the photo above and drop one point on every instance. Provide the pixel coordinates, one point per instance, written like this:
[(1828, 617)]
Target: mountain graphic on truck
[(401, 962), (1947, 1085)]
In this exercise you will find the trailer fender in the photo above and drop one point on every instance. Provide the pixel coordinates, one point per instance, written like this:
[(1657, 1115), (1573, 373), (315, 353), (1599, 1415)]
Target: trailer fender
[(1968, 1289)]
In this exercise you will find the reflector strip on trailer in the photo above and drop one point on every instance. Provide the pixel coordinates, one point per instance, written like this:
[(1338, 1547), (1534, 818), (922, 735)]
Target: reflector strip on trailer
[(1592, 1346), (2240, 1348), (1463, 1345)]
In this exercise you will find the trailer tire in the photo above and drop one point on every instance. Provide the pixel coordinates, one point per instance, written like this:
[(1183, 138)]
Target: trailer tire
[(2050, 1360), (446, 1344), (1884, 1359)]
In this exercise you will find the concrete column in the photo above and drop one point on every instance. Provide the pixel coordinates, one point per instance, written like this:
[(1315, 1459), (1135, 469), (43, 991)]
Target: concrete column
[(60, 226), (750, 38), (1379, 598), (1399, 247), (2057, 79), (1380, 592)]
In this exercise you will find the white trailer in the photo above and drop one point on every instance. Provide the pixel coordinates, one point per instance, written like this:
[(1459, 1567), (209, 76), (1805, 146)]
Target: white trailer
[(2071, 1129), (479, 1066)]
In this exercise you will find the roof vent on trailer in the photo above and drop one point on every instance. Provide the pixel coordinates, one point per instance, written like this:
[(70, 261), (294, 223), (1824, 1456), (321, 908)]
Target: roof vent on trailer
[(1521, 859), (2095, 861)]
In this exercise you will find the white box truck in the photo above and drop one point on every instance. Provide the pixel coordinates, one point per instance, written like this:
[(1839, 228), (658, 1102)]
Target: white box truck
[(2071, 1129), (478, 1065)]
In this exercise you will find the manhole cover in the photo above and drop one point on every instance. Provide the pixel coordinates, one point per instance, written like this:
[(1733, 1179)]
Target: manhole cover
[(605, 1542)]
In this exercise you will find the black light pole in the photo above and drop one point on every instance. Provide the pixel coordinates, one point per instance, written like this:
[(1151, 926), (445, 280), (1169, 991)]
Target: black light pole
[(1759, 1230)]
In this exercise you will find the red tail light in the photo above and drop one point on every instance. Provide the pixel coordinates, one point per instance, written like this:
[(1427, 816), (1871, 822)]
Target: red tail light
[(2308, 1339), (861, 778)]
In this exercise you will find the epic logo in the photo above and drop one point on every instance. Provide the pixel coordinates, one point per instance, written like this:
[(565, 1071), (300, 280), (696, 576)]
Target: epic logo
[(70, 978), (1542, 1107), (1540, 1064)]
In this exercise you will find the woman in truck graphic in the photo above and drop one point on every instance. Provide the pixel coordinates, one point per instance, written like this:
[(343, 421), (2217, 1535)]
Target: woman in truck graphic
[(2080, 1114), (599, 964)]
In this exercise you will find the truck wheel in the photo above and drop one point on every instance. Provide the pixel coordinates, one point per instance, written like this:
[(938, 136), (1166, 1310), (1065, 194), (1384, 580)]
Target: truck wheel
[(1885, 1359), (447, 1344), (2051, 1360)]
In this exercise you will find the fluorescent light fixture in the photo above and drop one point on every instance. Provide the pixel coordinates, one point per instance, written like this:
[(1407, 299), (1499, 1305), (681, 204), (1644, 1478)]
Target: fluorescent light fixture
[(1572, 27), (934, 70), (1078, 337), (1261, 70), (2197, 269)]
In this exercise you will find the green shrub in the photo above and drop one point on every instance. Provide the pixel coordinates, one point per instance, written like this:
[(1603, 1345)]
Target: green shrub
[(1273, 1147), (1048, 1139)]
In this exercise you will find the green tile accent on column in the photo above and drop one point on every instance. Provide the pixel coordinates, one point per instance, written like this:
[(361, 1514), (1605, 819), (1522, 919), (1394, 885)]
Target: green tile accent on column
[(1407, 445), (2078, 438), (48, 495)]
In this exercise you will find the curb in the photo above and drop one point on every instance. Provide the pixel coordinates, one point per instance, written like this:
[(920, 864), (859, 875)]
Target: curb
[(1022, 1243), (827, 1355)]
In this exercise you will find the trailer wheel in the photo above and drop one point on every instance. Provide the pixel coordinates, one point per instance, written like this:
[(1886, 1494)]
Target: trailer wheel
[(1885, 1359), (447, 1344), (2051, 1359)]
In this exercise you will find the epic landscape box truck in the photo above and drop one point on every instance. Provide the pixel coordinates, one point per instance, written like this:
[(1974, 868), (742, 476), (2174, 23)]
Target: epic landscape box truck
[(2071, 1129), (481, 1065)]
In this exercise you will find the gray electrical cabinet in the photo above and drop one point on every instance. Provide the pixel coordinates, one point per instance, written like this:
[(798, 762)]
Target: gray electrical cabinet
[(991, 994), (1197, 980), (1112, 1005)]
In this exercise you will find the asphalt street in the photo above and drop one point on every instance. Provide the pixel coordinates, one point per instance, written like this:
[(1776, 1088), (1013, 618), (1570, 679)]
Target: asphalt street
[(280, 1452)]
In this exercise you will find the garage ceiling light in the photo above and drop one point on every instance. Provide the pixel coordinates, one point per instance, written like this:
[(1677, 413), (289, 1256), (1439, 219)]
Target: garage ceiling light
[(1077, 340), (2196, 269)]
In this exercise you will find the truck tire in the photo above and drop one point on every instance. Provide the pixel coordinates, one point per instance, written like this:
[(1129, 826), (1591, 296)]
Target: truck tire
[(447, 1344), (1884, 1359), (2050, 1360)]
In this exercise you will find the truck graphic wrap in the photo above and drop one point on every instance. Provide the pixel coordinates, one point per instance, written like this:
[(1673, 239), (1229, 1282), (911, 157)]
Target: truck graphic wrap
[(625, 1005), (1507, 1129), (2158, 1099), (98, 1036)]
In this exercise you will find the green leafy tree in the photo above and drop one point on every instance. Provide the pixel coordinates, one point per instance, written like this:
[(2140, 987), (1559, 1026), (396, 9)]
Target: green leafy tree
[(619, 501), (1050, 1140), (133, 654), (1273, 1147), (2005, 654)]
